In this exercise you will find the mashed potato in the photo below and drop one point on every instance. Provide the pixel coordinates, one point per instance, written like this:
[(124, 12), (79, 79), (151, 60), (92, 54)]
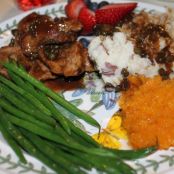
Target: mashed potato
[(112, 54)]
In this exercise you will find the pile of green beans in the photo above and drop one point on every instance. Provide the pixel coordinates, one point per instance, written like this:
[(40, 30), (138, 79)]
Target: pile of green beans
[(30, 121)]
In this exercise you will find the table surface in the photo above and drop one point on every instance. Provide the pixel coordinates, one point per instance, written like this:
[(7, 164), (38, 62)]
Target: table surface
[(8, 8)]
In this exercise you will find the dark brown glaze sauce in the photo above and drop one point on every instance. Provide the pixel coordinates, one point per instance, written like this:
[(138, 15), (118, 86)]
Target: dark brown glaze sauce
[(147, 42), (60, 84)]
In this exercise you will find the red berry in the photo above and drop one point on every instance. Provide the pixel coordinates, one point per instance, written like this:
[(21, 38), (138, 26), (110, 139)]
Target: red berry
[(73, 8), (111, 14), (29, 4), (87, 18)]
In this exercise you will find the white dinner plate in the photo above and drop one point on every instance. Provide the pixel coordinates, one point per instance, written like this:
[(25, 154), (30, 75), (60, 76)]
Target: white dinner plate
[(98, 105)]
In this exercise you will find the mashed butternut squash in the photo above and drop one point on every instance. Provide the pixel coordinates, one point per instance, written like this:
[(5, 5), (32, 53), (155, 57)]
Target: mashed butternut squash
[(148, 112)]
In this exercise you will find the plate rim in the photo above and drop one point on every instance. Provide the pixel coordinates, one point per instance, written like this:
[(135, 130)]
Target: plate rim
[(19, 16)]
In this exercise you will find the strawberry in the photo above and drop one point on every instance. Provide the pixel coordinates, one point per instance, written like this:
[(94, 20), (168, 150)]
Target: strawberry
[(111, 14), (87, 18), (73, 8)]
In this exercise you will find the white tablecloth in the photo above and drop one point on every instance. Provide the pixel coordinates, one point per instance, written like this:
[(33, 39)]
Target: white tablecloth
[(8, 8)]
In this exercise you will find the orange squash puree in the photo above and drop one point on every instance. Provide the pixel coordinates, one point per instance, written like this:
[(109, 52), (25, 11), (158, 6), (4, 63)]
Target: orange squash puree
[(148, 112)]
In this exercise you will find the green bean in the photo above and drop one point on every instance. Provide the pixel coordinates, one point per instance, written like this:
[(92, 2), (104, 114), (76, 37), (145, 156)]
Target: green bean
[(25, 94), (5, 125), (74, 138), (56, 97), (55, 113), (119, 165), (26, 86), (53, 109), (71, 157), (42, 98), (11, 109), (133, 154), (31, 149), (80, 140), (58, 130), (75, 129), (63, 134), (6, 105), (10, 96), (43, 129), (82, 134), (126, 169), (114, 163), (32, 120), (24, 100), (51, 153), (52, 135), (108, 164), (98, 162)]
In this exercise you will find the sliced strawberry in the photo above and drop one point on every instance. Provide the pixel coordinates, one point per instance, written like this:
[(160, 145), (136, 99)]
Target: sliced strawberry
[(73, 8), (111, 14), (87, 18)]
